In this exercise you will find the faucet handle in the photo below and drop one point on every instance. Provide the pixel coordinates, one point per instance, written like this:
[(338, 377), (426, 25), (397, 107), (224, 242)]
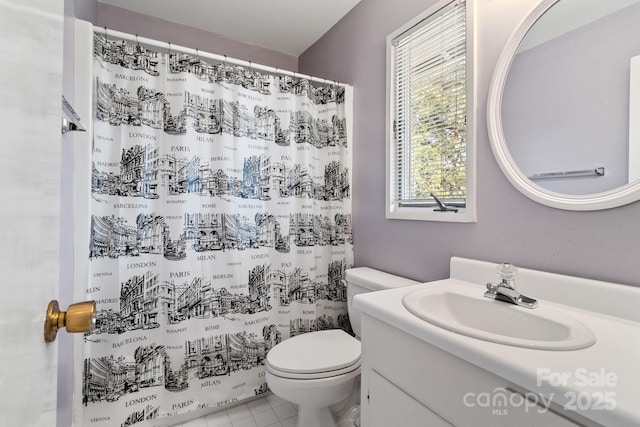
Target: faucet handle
[(507, 273)]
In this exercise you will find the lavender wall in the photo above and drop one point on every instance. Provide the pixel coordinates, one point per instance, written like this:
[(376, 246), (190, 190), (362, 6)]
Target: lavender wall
[(589, 122), (603, 245), (86, 10), (126, 21)]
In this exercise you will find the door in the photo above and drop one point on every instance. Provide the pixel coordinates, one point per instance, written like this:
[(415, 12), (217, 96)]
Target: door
[(30, 113), (387, 405)]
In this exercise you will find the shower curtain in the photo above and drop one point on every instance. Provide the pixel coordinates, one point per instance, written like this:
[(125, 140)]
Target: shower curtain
[(220, 226)]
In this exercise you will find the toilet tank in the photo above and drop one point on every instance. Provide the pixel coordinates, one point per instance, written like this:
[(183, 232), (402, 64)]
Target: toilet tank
[(365, 279)]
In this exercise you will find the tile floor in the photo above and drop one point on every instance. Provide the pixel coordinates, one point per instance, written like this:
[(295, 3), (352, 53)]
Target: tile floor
[(270, 411)]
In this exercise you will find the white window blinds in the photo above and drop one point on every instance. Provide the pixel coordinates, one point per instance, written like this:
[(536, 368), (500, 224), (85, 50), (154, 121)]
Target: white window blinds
[(429, 109)]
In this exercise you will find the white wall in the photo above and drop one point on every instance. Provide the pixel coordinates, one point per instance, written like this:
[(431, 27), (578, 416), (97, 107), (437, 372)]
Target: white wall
[(634, 120)]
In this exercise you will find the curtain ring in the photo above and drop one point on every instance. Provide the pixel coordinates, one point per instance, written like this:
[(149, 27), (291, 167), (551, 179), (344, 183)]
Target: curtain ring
[(137, 41), (169, 48)]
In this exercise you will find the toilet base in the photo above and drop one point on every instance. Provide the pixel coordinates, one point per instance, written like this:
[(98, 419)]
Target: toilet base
[(310, 416), (315, 397)]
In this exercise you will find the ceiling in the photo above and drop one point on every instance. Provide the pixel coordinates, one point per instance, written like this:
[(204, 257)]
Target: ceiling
[(288, 26)]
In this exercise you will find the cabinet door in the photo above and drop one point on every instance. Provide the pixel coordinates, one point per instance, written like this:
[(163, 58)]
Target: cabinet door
[(524, 413), (387, 405)]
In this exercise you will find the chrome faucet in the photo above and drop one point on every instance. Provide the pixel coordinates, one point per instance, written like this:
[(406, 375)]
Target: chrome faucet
[(506, 289)]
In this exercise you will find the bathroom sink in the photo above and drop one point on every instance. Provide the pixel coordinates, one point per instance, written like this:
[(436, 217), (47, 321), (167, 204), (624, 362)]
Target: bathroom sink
[(464, 312)]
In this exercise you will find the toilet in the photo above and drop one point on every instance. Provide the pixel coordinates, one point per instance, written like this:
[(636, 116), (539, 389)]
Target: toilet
[(319, 369)]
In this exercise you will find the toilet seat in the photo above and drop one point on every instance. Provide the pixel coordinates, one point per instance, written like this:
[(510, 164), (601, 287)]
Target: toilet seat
[(315, 355), (314, 375)]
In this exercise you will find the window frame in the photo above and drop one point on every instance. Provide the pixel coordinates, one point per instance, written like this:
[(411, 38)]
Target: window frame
[(426, 212)]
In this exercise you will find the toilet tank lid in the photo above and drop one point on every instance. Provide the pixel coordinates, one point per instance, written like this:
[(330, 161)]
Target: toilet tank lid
[(376, 280)]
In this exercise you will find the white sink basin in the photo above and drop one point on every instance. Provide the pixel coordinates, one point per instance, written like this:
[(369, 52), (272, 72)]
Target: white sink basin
[(463, 312)]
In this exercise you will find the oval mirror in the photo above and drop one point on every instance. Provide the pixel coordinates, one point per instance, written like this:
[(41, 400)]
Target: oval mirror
[(564, 104)]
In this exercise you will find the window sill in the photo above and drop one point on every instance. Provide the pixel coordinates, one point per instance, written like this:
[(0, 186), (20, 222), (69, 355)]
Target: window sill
[(467, 215)]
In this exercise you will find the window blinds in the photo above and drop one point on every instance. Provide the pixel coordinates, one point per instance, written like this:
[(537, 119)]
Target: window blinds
[(428, 109)]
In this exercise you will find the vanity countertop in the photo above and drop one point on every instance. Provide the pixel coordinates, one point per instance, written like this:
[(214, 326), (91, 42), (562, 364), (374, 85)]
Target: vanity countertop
[(609, 370)]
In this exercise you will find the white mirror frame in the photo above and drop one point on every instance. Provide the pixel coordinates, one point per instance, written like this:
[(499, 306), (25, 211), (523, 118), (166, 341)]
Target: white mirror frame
[(620, 196)]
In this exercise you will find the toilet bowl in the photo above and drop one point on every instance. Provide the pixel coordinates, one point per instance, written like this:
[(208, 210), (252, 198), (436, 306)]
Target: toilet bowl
[(319, 369), (314, 371)]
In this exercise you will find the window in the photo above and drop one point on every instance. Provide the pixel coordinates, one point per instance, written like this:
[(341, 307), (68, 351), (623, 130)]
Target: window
[(430, 120)]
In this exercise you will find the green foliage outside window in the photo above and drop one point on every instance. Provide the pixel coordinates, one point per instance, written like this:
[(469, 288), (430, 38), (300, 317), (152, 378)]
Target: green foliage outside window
[(438, 138)]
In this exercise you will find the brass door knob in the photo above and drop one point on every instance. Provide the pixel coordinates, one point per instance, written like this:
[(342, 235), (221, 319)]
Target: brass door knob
[(79, 317)]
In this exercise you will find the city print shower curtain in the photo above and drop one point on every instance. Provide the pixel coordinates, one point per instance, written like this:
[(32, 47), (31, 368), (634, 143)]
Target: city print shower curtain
[(220, 226)]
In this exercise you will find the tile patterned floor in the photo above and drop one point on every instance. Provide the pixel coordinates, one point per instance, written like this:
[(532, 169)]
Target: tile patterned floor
[(270, 411)]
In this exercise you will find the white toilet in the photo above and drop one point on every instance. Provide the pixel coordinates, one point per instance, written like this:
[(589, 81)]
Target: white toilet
[(319, 369)]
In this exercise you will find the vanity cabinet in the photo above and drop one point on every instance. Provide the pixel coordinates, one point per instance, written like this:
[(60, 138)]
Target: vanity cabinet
[(408, 382), (387, 405)]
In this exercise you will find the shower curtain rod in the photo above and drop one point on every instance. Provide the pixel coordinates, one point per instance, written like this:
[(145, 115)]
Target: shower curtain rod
[(222, 58)]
